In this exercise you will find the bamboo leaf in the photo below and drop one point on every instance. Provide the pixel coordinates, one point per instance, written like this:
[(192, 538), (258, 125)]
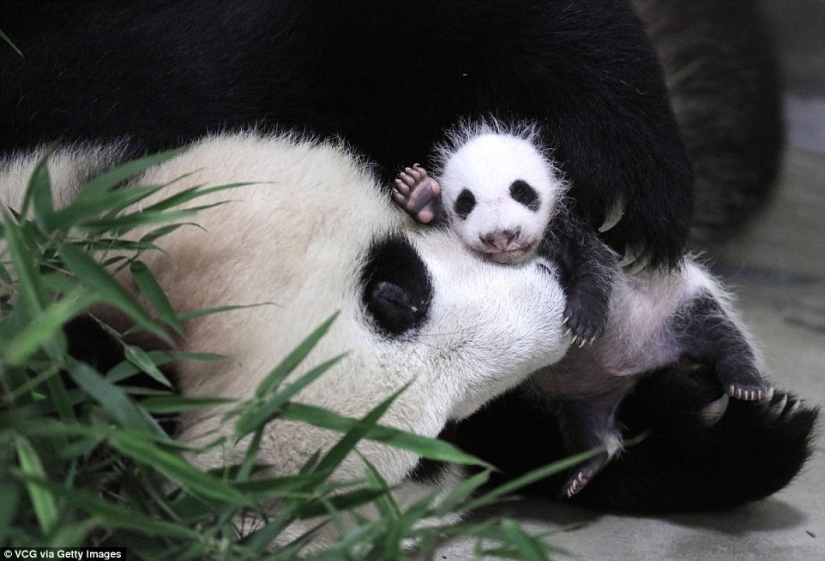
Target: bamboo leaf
[(6, 39), (162, 231), (426, 447), (255, 417), (339, 503), (165, 405), (42, 500), (139, 358), (85, 212), (106, 288), (153, 292), (293, 359), (33, 294), (112, 515), (45, 326), (192, 314), (39, 195), (111, 179), (530, 477), (186, 195), (177, 469), (354, 434), (126, 369), (110, 397)]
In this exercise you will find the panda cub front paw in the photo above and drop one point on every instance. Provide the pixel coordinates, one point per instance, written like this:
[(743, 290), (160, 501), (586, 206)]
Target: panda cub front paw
[(417, 193), (583, 325)]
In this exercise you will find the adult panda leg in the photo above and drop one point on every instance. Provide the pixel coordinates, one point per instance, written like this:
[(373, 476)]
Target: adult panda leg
[(720, 67), (586, 71), (684, 463)]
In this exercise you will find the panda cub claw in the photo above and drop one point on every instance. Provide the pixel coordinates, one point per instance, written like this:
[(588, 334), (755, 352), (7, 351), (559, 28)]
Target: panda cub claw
[(417, 193), (750, 392), (745, 384), (582, 324), (583, 474)]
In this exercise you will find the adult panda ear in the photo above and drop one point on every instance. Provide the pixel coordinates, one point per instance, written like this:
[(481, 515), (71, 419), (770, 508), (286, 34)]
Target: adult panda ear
[(397, 287)]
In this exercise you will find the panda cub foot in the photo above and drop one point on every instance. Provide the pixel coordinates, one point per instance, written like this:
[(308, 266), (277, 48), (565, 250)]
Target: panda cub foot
[(750, 392), (584, 473), (744, 383), (417, 193)]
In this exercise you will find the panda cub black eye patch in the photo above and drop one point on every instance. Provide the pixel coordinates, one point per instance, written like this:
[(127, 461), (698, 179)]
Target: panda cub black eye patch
[(523, 193), (464, 204)]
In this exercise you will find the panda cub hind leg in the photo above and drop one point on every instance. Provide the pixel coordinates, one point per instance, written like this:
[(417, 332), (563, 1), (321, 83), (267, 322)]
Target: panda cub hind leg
[(706, 333), (591, 423), (418, 194)]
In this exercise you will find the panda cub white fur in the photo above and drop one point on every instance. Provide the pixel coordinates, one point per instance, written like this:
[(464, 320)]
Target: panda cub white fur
[(415, 308), (500, 192)]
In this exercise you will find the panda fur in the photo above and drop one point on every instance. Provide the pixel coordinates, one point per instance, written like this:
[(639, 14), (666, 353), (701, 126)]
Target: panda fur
[(721, 68), (656, 320), (499, 189), (389, 77), (653, 319), (485, 325), (415, 308)]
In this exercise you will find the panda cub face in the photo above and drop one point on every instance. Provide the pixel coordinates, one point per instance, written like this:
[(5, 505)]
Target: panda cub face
[(500, 192)]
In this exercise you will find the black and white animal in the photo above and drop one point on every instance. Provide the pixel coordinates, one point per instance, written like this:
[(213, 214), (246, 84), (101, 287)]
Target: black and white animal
[(501, 193), (586, 71), (415, 308), (656, 320), (498, 190)]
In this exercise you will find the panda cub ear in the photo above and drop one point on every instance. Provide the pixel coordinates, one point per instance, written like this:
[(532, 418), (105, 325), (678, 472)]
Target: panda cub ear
[(397, 287)]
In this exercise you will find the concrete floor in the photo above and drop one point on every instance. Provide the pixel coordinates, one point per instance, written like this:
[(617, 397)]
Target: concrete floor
[(777, 269)]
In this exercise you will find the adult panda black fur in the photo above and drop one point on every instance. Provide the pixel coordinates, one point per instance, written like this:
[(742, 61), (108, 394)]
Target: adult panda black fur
[(721, 70), (389, 77), (416, 306)]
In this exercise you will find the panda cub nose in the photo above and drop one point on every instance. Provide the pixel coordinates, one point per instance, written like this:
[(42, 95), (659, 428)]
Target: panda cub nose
[(500, 239)]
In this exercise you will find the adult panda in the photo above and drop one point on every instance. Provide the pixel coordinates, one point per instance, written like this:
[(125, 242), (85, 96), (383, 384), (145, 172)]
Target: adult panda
[(390, 77), (415, 308)]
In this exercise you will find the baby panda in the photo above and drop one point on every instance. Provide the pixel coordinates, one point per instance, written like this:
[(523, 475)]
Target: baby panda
[(656, 320), (500, 192)]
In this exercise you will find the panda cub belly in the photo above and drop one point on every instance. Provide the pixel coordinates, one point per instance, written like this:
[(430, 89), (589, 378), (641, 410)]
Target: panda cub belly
[(499, 191)]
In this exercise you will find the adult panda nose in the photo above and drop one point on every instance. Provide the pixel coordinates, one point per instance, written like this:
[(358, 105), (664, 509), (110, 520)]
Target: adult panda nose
[(500, 239)]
